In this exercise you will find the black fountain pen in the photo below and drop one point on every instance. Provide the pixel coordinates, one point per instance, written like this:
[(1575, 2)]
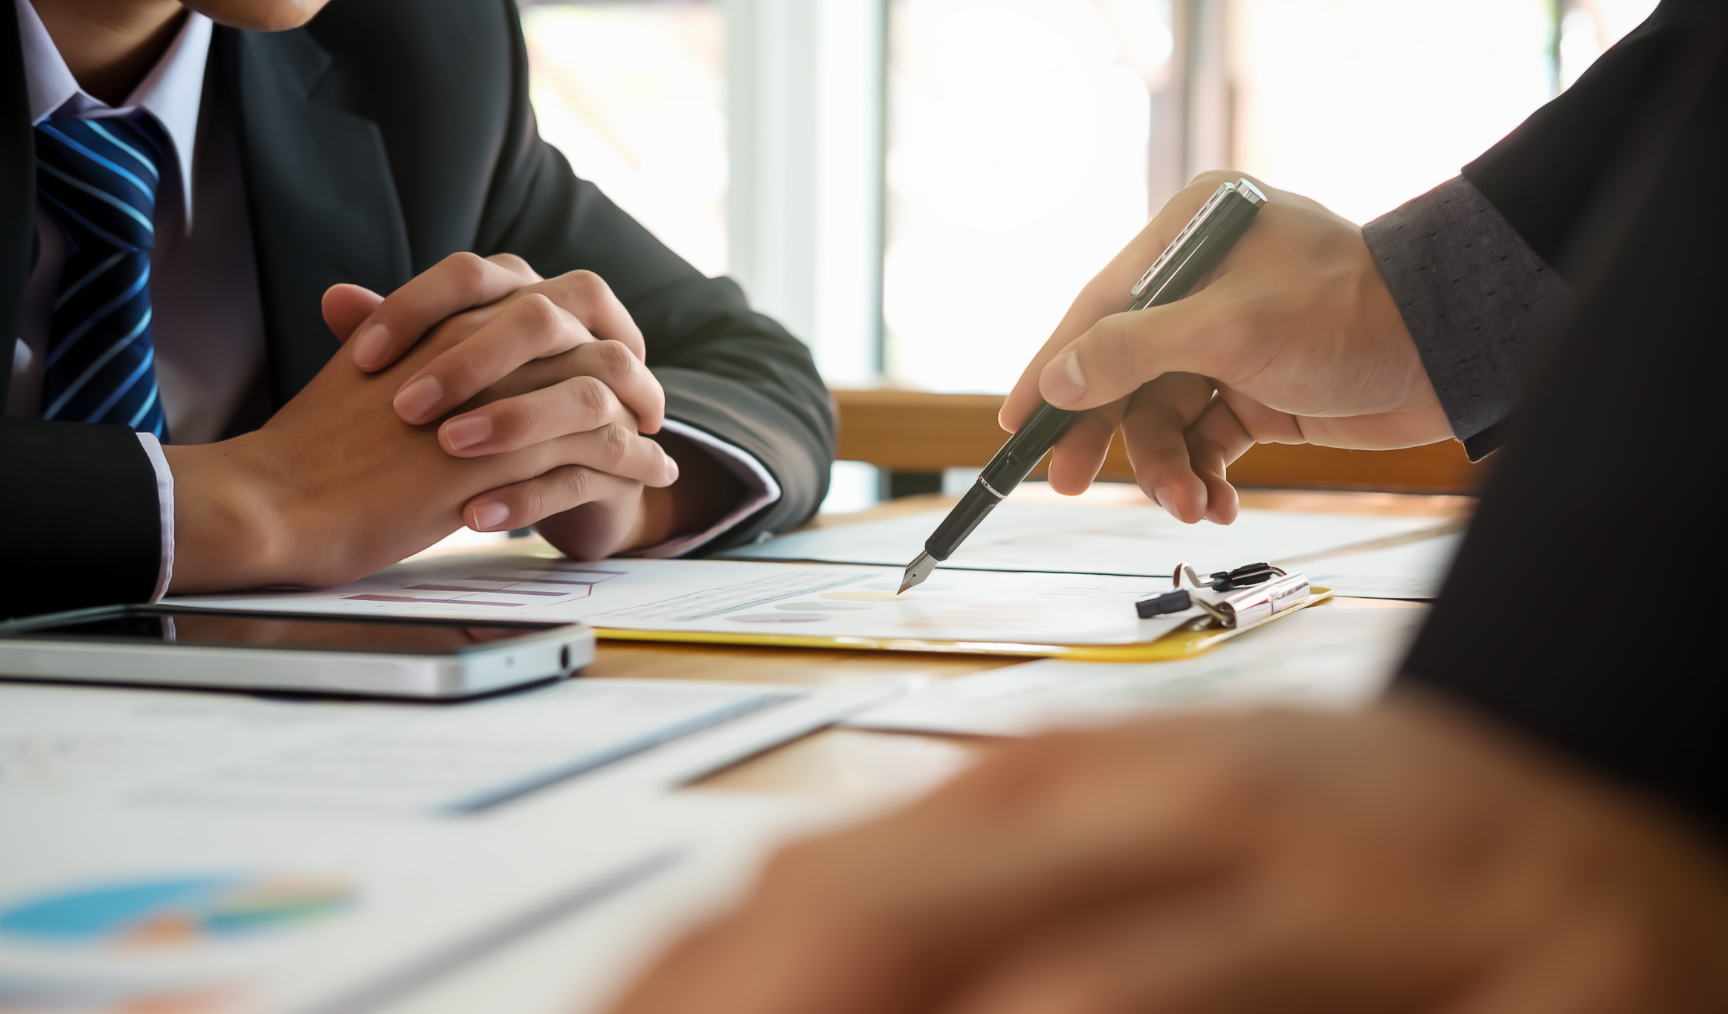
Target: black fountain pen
[(1197, 249)]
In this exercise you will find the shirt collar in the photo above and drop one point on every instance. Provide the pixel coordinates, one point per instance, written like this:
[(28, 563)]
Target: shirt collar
[(171, 92)]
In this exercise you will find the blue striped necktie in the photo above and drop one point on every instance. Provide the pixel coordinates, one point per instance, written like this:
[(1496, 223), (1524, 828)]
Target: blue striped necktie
[(98, 180)]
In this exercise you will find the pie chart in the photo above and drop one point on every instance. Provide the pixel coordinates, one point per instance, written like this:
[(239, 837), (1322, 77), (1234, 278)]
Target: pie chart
[(174, 910)]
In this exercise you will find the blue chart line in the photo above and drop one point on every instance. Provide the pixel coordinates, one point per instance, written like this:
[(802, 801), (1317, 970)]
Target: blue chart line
[(462, 953), (509, 792)]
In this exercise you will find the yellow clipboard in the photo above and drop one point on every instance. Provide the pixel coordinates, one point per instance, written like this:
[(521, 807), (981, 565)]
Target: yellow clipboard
[(1179, 643)]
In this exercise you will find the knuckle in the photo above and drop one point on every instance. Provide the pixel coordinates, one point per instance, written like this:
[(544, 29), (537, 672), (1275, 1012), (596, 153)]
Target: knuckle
[(1210, 178), (575, 290), (530, 501), (467, 273), (538, 314), (615, 444), (575, 485), (592, 398), (614, 358), (587, 284)]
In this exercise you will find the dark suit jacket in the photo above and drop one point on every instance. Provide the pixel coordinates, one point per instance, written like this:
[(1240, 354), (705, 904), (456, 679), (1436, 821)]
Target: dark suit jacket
[(1584, 607), (375, 141)]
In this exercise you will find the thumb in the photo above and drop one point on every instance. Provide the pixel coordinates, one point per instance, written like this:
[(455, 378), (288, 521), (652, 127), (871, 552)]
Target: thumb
[(1110, 290), (1125, 350), (345, 306)]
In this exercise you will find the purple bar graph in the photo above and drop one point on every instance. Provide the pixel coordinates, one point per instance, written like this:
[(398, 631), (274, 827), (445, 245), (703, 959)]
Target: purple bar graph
[(378, 597)]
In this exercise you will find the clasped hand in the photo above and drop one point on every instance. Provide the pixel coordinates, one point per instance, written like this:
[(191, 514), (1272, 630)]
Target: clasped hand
[(477, 393)]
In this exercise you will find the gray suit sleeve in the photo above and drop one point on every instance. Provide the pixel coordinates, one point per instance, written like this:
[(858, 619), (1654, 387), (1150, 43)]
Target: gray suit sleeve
[(1474, 296)]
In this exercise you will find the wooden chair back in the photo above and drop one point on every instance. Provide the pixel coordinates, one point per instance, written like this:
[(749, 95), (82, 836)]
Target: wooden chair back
[(916, 431)]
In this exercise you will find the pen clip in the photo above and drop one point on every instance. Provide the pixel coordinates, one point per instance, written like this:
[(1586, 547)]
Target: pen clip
[(1227, 580), (1193, 226), (1243, 186)]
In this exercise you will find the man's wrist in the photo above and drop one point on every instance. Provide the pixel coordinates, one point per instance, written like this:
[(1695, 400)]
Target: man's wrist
[(655, 520), (227, 532), (704, 493)]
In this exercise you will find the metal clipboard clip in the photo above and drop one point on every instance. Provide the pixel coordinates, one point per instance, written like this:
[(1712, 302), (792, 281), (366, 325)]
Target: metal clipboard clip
[(1240, 597)]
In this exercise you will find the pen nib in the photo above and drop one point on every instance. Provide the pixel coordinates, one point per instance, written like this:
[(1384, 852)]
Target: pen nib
[(917, 571)]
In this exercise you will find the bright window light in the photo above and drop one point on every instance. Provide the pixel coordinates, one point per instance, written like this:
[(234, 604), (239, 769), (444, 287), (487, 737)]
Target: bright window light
[(1364, 104), (1016, 168), (634, 96)]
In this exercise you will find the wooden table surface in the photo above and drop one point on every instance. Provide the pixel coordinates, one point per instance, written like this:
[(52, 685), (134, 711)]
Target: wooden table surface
[(874, 766)]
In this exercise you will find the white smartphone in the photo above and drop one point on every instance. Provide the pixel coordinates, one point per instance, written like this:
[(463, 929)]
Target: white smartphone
[(375, 657)]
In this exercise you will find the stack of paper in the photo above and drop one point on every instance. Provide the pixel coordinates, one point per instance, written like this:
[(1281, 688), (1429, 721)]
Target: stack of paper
[(226, 854), (746, 600), (1411, 570), (1133, 540), (239, 754), (192, 912), (1330, 656)]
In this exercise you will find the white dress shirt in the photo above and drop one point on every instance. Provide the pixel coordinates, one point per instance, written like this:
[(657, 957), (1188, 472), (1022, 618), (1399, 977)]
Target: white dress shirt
[(208, 322)]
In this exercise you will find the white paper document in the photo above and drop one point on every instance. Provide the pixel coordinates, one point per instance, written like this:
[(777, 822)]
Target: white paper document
[(1082, 539), (1334, 656), (742, 597), (210, 913), (1414, 570), (155, 749), (203, 853)]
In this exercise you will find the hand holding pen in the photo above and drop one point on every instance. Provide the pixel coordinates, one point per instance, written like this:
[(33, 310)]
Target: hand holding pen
[(1194, 252), (1295, 333)]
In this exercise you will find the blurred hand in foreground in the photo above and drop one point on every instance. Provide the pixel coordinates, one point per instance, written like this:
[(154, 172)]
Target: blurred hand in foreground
[(1406, 859), (1294, 338)]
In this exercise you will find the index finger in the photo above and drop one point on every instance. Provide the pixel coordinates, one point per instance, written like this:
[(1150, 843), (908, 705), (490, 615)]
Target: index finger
[(1109, 292), (456, 283), (587, 297)]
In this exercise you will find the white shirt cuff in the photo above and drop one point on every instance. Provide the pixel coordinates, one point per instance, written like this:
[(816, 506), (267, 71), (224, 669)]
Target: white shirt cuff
[(165, 505), (760, 490)]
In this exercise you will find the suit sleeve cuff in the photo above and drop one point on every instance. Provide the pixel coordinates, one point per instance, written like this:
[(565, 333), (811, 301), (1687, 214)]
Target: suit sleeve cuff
[(760, 491), (165, 502), (1474, 297)]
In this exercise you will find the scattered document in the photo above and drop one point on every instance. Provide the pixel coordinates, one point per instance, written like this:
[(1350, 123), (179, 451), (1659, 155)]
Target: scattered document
[(1413, 570), (1076, 538), (743, 598), (1332, 656), (227, 752), (580, 964), (115, 909)]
